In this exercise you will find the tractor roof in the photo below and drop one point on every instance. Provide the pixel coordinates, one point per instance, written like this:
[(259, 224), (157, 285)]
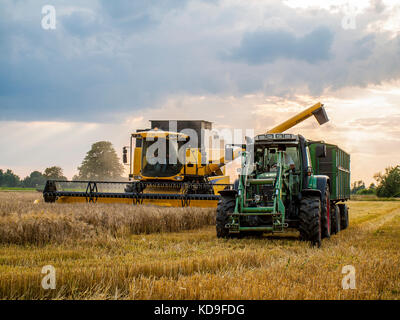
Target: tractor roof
[(276, 138)]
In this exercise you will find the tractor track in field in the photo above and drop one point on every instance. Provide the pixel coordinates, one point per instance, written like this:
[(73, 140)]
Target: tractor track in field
[(376, 223)]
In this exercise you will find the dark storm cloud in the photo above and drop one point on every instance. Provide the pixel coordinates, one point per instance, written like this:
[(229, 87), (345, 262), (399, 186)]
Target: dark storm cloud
[(111, 58), (267, 46)]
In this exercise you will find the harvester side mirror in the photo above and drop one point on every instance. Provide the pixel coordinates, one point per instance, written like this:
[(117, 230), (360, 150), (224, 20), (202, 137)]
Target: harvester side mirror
[(228, 154), (124, 155), (320, 151)]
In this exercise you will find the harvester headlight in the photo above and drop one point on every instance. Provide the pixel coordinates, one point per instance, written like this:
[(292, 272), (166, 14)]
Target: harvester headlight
[(257, 198), (137, 177), (178, 178)]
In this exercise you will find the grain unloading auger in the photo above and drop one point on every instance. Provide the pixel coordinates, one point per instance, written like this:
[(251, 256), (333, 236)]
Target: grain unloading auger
[(191, 178)]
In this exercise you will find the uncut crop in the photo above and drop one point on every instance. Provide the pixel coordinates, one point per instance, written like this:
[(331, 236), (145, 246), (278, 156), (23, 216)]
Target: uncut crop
[(23, 222), (195, 264)]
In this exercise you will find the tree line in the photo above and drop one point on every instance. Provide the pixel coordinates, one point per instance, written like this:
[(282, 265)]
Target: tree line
[(100, 163), (388, 184), (35, 179)]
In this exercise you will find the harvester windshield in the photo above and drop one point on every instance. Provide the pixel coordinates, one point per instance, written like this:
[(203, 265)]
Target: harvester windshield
[(161, 158)]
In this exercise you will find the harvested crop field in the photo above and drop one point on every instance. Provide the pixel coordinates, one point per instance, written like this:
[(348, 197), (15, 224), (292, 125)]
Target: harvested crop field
[(126, 252)]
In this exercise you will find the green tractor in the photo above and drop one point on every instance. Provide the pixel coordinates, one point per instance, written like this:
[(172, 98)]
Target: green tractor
[(286, 182)]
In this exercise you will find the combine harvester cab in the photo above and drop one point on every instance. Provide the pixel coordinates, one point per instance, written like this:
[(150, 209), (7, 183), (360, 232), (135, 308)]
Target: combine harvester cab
[(167, 168), (287, 182)]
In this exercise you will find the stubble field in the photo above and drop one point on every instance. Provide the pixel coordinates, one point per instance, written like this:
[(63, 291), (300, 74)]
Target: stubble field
[(126, 252)]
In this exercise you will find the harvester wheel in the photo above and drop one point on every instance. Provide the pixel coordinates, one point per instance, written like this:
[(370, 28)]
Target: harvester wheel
[(310, 219), (335, 219), (225, 206), (325, 213), (344, 216)]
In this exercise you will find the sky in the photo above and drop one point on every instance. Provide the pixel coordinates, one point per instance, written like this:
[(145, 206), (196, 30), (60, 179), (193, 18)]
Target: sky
[(109, 67)]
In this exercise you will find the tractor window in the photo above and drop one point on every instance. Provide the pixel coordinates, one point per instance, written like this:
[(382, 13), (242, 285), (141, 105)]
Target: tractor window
[(293, 154), (271, 158), (309, 164), (266, 158)]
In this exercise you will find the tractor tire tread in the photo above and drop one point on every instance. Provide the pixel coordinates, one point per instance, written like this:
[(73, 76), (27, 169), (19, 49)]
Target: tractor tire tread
[(225, 206), (310, 220)]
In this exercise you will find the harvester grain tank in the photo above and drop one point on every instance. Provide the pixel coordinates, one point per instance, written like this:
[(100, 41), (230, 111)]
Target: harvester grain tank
[(287, 182)]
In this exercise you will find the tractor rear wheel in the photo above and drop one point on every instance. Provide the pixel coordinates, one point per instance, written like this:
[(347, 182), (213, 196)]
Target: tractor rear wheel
[(310, 219), (225, 207), (325, 213), (335, 219), (344, 216)]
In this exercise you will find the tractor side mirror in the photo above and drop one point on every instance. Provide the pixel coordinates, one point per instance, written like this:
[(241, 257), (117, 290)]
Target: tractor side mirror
[(228, 154), (320, 151), (125, 155)]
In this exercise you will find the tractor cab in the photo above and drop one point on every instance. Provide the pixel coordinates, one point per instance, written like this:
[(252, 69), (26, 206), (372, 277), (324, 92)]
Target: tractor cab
[(277, 164)]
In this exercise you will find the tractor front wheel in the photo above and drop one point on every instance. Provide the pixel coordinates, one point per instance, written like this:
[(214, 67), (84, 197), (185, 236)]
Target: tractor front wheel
[(225, 207), (310, 219)]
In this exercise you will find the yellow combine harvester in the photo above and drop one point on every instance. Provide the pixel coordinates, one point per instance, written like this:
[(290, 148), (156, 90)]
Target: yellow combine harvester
[(167, 167)]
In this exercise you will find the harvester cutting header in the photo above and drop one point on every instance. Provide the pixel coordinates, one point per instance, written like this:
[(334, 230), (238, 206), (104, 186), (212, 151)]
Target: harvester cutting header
[(170, 165)]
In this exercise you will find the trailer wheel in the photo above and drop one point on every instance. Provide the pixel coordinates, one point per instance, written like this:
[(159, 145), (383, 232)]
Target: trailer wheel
[(335, 219), (325, 213), (310, 220), (225, 206), (344, 216)]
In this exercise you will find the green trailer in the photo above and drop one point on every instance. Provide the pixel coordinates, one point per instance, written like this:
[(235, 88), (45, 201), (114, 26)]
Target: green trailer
[(336, 165)]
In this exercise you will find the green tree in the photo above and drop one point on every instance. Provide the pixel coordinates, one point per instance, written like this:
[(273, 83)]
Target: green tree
[(34, 180), (372, 186), (101, 163), (389, 182), (357, 186), (54, 173), (370, 190), (9, 179)]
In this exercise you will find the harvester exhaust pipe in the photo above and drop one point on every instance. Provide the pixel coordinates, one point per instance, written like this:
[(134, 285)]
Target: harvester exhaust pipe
[(125, 155)]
